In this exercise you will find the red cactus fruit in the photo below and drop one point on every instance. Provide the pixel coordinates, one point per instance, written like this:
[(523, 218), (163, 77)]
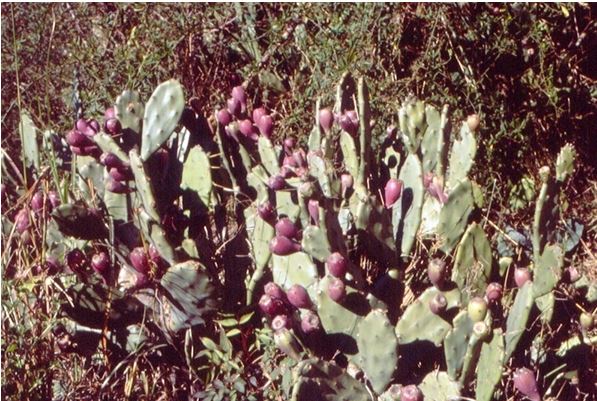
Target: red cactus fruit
[(223, 116), (286, 228), (411, 393), (336, 289), (438, 304), (100, 262), (266, 126), (298, 297), (326, 119), (521, 276), (392, 191), (436, 271), (525, 382), (139, 260), (258, 113), (494, 292), (271, 306), (281, 322), (267, 211), (337, 265), (274, 290), (310, 322), (283, 246)]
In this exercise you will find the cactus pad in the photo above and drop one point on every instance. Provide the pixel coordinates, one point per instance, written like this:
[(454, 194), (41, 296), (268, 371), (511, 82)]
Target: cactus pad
[(462, 157), (473, 263), (437, 386), (517, 318), (457, 342), (454, 215), (315, 243), (196, 175), (406, 214), (129, 110), (490, 366)]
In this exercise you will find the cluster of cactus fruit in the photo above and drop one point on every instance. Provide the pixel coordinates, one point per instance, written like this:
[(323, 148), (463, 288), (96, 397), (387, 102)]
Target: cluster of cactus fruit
[(332, 231)]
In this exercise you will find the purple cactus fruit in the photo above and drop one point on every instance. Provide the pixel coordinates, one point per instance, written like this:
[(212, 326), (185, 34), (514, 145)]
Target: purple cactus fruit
[(438, 304), (336, 289), (141, 280), (313, 208), (310, 322), (494, 292), (271, 306), (299, 158), (116, 187), (110, 113), (22, 222), (77, 139), (586, 320), (267, 211), (257, 114), (282, 246), (238, 93), (289, 161), (110, 160), (347, 124), (281, 322), (156, 258), (524, 381), (81, 125), (337, 265), (274, 290), (435, 189), (234, 107), (224, 118), (38, 203), (266, 126), (121, 173), (392, 192), (246, 128), (436, 271), (473, 122), (521, 276), (89, 132), (286, 228), (139, 260), (276, 182), (298, 297), (573, 274), (113, 126), (352, 114), (427, 179), (94, 125), (347, 182), (289, 144), (54, 199), (391, 132), (52, 265), (76, 260), (477, 309), (411, 393), (326, 119), (100, 262)]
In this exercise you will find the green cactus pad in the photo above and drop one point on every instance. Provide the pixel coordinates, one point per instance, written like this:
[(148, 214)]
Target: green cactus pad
[(517, 318), (260, 235), (315, 243), (162, 113), (456, 343), (548, 270), (269, 156), (314, 142), (155, 234), (437, 386), (411, 117), (364, 130), (565, 163), (118, 205), (378, 356), (107, 144), (546, 214), (28, 133), (430, 216), (345, 91), (319, 169), (296, 268), (418, 323), (545, 304), (143, 184), (90, 169), (454, 215), (196, 175), (406, 214), (285, 205), (433, 139), (338, 317), (79, 221), (350, 154), (490, 367), (473, 263), (129, 110), (462, 157), (318, 380)]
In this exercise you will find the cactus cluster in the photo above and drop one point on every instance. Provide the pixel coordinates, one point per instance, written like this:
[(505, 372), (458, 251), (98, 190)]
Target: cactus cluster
[(331, 231)]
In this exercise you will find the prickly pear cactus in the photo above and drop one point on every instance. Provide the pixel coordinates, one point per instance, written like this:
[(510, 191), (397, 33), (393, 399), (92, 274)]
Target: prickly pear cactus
[(453, 218), (517, 318), (406, 216), (162, 113), (196, 175), (490, 366), (473, 262), (438, 386), (456, 343), (129, 110), (462, 157)]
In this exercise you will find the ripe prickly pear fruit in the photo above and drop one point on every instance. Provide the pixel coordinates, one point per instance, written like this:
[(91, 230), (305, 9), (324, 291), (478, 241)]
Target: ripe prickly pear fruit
[(477, 309), (258, 113), (286, 343), (494, 292), (347, 124), (427, 179), (113, 126), (337, 265), (110, 113), (281, 322), (155, 257), (521, 276), (336, 289), (276, 182), (94, 125), (289, 144), (436, 271), (283, 246), (299, 158), (524, 381), (38, 203), (326, 119), (110, 160), (267, 211), (438, 304), (472, 122), (77, 139), (271, 306), (391, 132), (298, 297), (117, 187), (286, 228), (266, 126), (573, 274), (352, 114), (76, 260), (392, 191), (274, 290), (223, 116), (411, 393), (121, 173), (81, 125), (246, 128), (100, 262), (54, 199), (238, 93), (313, 208), (234, 107), (586, 320), (310, 322), (139, 260), (22, 222), (481, 330), (347, 182)]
